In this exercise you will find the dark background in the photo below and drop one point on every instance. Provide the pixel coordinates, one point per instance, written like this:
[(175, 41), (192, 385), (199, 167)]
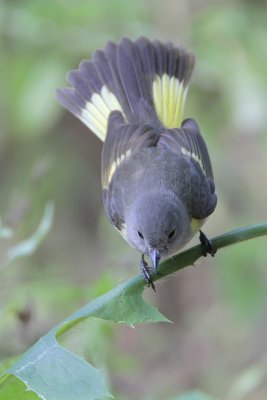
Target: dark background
[(218, 341)]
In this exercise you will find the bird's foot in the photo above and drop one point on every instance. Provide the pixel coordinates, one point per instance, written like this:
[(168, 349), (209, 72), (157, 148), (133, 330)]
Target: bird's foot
[(146, 271), (206, 244)]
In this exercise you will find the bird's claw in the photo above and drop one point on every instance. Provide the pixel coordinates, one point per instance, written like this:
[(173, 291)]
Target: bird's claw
[(206, 244), (146, 271)]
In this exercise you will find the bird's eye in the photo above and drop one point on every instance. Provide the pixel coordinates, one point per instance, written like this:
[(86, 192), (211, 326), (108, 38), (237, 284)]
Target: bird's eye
[(140, 235), (172, 234)]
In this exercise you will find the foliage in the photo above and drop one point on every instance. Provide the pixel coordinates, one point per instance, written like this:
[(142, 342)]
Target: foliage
[(43, 367)]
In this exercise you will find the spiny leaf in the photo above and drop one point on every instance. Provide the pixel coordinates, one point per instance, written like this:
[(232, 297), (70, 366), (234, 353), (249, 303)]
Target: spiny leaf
[(52, 372)]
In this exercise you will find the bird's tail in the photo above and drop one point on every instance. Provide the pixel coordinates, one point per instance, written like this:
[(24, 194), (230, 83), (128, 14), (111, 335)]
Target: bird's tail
[(130, 77)]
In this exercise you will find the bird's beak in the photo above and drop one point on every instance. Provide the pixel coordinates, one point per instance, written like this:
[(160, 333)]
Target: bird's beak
[(155, 258)]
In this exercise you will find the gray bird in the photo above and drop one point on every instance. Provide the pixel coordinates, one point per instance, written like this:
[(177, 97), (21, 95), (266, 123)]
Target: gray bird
[(157, 179)]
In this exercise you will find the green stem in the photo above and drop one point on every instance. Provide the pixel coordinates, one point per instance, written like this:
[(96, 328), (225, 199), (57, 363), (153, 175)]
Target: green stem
[(190, 256), (99, 306)]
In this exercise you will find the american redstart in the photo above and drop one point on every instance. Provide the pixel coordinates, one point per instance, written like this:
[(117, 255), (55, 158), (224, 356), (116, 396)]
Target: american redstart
[(157, 178)]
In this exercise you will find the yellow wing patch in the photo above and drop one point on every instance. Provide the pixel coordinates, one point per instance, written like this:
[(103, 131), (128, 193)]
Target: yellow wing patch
[(96, 111), (109, 174), (169, 95), (194, 156)]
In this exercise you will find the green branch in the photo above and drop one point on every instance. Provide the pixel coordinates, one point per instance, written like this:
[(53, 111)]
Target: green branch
[(123, 304), (190, 256), (133, 287)]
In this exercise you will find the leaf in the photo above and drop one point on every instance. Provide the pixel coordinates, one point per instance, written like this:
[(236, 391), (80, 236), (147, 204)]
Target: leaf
[(53, 372), (123, 304), (16, 390), (29, 246)]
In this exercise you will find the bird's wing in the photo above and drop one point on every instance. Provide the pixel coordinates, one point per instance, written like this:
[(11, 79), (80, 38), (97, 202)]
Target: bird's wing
[(188, 141), (123, 140)]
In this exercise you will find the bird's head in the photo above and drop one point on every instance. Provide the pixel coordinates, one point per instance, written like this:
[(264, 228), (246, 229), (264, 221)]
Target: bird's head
[(157, 224)]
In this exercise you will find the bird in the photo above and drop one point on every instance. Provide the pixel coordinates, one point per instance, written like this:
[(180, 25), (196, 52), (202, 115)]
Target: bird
[(157, 179)]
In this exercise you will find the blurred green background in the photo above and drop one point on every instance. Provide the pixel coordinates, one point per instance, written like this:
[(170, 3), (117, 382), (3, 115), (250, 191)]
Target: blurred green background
[(218, 341)]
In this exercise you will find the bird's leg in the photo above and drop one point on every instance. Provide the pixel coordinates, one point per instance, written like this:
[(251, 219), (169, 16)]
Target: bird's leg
[(146, 272), (207, 246)]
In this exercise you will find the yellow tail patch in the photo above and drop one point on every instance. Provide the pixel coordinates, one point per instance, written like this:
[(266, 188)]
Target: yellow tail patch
[(169, 95), (96, 111)]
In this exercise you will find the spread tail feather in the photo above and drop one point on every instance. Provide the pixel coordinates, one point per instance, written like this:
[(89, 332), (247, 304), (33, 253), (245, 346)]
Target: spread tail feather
[(142, 79)]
